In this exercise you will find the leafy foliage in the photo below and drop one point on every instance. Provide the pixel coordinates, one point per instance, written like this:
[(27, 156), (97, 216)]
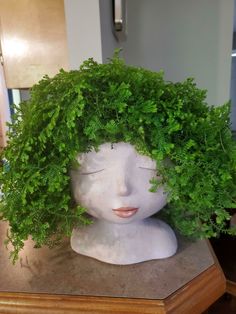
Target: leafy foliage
[(78, 110)]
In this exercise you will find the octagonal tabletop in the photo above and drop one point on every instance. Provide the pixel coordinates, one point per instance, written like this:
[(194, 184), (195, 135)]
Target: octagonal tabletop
[(62, 271)]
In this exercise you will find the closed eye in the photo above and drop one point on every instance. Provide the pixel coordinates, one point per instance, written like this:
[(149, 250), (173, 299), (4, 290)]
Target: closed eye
[(151, 169), (91, 172)]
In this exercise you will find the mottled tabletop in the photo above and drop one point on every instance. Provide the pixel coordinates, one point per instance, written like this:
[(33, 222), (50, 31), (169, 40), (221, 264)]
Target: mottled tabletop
[(62, 271)]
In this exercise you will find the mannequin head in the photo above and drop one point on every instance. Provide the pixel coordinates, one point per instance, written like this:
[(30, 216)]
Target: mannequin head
[(113, 184)]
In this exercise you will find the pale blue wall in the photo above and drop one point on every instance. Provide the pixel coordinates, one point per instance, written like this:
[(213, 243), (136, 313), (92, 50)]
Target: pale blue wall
[(233, 94), (185, 38)]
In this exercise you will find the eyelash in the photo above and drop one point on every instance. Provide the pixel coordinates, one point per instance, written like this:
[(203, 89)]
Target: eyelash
[(151, 170), (87, 173), (93, 172), (147, 168)]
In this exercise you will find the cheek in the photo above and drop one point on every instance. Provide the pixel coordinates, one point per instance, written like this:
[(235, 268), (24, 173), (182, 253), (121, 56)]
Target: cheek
[(160, 198), (90, 190), (142, 180), (151, 205)]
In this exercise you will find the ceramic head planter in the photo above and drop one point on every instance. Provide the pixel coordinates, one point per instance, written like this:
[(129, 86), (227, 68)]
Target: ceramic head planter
[(84, 112), (113, 184)]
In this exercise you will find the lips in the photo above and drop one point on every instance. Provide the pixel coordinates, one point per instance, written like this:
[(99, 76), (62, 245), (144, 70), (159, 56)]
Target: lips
[(125, 212)]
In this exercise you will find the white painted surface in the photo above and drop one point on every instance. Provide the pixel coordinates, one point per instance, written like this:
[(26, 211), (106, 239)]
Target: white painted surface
[(113, 184), (16, 96), (4, 106), (83, 31)]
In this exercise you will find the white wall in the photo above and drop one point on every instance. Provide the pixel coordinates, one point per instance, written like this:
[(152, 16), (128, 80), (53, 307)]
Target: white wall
[(185, 38), (83, 31), (89, 26), (233, 93), (233, 77)]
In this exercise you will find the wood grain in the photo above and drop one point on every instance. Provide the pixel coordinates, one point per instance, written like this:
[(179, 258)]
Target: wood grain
[(33, 40), (199, 294), (36, 303), (231, 287), (194, 298)]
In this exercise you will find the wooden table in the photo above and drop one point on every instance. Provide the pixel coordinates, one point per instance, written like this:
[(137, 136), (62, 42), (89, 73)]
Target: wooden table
[(61, 281)]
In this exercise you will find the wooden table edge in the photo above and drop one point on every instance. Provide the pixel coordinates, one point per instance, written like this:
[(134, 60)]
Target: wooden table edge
[(196, 296)]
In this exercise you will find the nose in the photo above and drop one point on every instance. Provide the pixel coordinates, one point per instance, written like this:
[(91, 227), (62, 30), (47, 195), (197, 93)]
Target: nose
[(123, 185)]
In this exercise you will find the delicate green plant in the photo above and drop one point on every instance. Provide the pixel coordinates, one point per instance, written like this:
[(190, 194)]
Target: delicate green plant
[(78, 110)]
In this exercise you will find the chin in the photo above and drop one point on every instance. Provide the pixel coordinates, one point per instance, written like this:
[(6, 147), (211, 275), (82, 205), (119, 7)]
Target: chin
[(121, 221)]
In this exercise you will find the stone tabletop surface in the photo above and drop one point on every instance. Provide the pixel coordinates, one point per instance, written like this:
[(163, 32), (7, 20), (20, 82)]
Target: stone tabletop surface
[(62, 271)]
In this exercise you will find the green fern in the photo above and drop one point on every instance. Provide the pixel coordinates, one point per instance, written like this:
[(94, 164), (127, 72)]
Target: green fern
[(78, 110)]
